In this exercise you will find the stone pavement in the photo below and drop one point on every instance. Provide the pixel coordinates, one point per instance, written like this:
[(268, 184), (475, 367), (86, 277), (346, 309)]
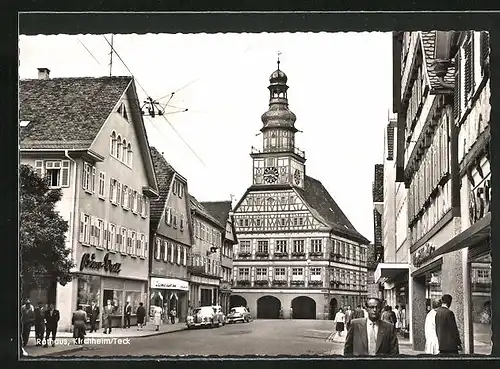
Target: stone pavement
[(66, 344)]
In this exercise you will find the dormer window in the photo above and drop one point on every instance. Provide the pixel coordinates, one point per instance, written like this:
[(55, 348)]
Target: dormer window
[(123, 111)]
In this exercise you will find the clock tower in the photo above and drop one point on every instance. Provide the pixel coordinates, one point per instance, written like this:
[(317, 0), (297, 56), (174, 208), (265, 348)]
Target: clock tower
[(279, 162)]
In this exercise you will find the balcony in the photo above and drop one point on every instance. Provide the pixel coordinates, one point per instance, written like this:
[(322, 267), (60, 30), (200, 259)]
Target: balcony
[(295, 150)]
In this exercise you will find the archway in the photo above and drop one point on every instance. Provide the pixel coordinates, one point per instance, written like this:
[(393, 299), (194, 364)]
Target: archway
[(304, 308), (236, 300), (268, 307), (333, 308)]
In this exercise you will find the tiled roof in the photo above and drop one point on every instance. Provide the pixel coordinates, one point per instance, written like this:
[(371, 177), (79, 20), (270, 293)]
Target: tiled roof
[(219, 209), (66, 112), (200, 209), (378, 183), (164, 174), (319, 199), (429, 42)]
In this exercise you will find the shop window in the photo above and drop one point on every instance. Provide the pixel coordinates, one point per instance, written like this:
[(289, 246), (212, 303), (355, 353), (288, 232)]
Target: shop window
[(480, 295), (89, 290), (134, 298)]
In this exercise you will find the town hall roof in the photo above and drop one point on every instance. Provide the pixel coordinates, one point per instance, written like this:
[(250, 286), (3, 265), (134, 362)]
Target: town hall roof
[(66, 113)]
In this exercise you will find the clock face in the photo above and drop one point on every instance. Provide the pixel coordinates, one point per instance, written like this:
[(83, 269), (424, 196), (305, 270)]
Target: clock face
[(271, 174), (297, 176)]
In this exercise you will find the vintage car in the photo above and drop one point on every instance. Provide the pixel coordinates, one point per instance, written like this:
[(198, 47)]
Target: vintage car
[(238, 314), (204, 316)]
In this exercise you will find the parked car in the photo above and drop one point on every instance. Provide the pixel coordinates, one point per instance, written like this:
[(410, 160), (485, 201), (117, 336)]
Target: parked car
[(204, 316), (221, 317), (239, 314)]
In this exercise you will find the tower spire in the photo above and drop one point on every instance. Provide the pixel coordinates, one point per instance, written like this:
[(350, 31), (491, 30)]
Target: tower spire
[(279, 53)]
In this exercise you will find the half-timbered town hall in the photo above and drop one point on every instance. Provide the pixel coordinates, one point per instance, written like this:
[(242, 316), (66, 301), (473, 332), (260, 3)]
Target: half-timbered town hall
[(298, 255)]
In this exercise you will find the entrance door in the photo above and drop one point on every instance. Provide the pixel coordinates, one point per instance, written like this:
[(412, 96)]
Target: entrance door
[(333, 308), (206, 297), (268, 307)]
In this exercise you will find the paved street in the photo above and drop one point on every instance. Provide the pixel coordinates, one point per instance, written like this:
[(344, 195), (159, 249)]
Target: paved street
[(260, 337)]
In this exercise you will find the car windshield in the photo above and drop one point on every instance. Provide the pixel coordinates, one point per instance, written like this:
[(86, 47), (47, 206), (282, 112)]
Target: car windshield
[(240, 310)]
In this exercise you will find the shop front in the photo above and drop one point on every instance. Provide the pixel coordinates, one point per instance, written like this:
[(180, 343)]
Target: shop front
[(204, 291), (103, 276), (393, 277), (169, 294)]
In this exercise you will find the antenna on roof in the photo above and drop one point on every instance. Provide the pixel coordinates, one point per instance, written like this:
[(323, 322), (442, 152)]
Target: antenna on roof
[(111, 57)]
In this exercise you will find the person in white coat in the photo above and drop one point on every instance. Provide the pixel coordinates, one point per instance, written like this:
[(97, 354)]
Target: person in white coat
[(431, 338), (339, 322), (158, 311)]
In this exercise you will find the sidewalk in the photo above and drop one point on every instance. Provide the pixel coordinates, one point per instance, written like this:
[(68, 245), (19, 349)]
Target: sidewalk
[(66, 343)]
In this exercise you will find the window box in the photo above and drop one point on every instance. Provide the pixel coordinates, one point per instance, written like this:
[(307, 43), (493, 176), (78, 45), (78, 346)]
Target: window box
[(334, 255), (243, 282), (261, 254), (299, 254), (280, 254), (279, 283), (261, 282), (315, 283), (244, 254), (316, 254), (334, 283), (297, 283)]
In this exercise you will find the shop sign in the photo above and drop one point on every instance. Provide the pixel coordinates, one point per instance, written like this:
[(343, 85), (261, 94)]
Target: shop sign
[(88, 261), (479, 201), (423, 254), (203, 280), (169, 284)]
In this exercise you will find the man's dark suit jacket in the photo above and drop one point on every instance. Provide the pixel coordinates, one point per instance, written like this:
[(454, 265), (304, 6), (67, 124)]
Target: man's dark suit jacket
[(94, 313), (356, 342), (52, 319), (447, 330)]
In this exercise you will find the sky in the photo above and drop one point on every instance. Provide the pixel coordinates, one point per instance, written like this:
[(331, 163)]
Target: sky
[(340, 88)]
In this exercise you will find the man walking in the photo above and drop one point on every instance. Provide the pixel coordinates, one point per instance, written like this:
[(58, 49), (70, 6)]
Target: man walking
[(94, 314), (27, 320), (348, 317), (371, 336), (173, 314), (106, 317), (39, 323), (446, 328), (358, 313), (128, 314), (51, 320)]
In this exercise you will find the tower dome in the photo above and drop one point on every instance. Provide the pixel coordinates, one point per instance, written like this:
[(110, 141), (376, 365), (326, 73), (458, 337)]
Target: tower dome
[(278, 76)]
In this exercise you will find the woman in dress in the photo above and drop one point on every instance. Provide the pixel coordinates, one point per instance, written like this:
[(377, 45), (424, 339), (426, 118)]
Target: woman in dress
[(339, 322), (431, 339), (158, 311)]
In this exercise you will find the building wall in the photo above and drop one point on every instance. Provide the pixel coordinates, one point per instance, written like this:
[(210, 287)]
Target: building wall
[(401, 218), (388, 216)]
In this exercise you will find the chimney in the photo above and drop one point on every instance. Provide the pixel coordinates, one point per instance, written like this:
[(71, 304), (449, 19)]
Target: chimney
[(43, 73)]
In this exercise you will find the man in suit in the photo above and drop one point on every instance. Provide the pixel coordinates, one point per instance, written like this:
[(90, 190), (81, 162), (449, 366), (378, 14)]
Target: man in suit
[(79, 320), (27, 321), (358, 313), (106, 317), (94, 314), (128, 314), (371, 336), (51, 320), (446, 328)]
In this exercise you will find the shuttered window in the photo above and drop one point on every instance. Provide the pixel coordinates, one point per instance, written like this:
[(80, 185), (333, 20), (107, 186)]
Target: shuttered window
[(484, 51), (468, 72)]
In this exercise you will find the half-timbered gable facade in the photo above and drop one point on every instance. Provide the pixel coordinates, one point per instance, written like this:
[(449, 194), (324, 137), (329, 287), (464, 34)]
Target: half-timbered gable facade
[(296, 250)]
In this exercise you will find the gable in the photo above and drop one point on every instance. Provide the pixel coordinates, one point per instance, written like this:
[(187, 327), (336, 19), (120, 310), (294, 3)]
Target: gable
[(66, 113)]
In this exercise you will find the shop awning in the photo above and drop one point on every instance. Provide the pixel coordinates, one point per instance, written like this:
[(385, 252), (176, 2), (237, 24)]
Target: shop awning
[(473, 235), (390, 271)]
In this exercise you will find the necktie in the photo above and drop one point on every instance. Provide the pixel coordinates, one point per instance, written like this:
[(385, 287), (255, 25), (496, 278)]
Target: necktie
[(372, 340)]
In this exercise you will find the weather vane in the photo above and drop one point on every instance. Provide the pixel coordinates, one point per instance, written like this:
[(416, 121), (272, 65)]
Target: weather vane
[(279, 53)]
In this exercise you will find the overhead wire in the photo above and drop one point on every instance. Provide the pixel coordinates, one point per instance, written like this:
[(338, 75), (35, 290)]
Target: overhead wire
[(135, 79), (92, 55)]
